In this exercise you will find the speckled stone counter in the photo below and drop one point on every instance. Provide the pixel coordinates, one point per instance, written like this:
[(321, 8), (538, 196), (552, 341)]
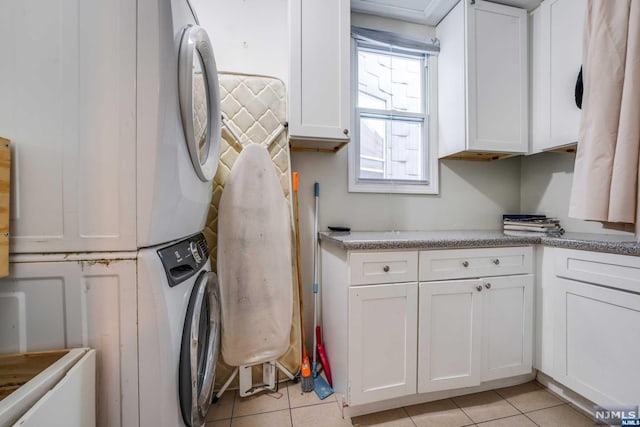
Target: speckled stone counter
[(380, 240)]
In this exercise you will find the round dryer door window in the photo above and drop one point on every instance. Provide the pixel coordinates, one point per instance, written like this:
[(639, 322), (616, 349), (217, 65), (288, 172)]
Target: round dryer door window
[(199, 350), (199, 101)]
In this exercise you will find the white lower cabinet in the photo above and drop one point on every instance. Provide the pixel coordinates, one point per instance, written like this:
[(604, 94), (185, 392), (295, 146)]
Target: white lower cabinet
[(475, 330), (54, 301), (507, 307), (407, 322), (449, 339), (383, 329), (596, 325), (597, 342)]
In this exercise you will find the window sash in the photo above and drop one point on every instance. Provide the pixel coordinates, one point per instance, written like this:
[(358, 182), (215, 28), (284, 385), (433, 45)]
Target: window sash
[(424, 155), (366, 47), (391, 115)]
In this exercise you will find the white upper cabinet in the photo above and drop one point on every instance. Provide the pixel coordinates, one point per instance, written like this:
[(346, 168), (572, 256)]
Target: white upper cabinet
[(319, 87), (556, 57), (483, 81)]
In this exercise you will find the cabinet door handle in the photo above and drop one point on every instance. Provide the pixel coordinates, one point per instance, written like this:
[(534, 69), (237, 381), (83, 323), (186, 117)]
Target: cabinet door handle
[(386, 269), (346, 131), (496, 261), (479, 288), (487, 285), (465, 264)]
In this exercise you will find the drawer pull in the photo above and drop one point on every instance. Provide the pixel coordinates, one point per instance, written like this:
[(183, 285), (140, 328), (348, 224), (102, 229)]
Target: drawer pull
[(487, 285), (465, 264), (386, 268), (496, 261), (479, 288)]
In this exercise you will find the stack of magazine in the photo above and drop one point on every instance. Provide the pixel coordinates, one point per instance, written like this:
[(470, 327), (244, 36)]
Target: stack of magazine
[(531, 225)]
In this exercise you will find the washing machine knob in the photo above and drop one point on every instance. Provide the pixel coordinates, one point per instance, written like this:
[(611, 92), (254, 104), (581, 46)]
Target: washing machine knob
[(196, 252)]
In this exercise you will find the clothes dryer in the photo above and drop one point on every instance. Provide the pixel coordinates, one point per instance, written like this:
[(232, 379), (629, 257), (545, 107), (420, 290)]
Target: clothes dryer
[(179, 119), (178, 333)]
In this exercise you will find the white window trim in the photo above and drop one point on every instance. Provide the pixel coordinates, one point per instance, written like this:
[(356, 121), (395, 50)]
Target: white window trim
[(431, 128)]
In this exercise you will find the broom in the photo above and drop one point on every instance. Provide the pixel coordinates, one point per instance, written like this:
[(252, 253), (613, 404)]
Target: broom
[(320, 385), (305, 371)]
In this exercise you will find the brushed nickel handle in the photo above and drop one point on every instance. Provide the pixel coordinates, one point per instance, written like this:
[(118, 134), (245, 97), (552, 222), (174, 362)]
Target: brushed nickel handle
[(479, 288), (496, 261), (386, 268), (487, 285), (465, 263)]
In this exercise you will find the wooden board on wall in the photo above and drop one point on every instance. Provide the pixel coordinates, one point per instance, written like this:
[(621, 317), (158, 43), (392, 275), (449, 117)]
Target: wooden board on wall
[(5, 186)]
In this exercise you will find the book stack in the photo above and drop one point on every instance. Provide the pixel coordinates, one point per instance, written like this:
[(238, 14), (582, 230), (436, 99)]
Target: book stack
[(531, 225)]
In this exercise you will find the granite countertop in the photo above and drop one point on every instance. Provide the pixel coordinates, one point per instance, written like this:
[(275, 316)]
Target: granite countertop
[(371, 240)]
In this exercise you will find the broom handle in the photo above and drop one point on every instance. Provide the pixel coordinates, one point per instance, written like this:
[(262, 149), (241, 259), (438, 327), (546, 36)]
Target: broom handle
[(316, 193), (296, 214)]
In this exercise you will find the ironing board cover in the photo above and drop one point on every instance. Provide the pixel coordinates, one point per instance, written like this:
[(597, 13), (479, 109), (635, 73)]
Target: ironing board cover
[(255, 106), (254, 261)]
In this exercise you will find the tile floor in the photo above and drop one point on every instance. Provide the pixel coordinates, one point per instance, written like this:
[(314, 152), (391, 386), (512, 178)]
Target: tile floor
[(524, 405)]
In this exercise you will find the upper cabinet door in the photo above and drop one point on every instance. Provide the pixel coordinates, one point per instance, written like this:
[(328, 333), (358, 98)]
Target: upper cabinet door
[(497, 77), (319, 89), (556, 61), (483, 82)]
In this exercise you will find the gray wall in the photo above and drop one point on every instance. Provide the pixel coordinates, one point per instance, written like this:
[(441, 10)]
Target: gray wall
[(545, 187)]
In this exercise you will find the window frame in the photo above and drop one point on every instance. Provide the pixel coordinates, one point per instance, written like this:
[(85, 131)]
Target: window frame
[(429, 134)]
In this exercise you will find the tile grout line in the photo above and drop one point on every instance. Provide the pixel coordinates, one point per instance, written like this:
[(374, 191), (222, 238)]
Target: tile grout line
[(529, 418), (463, 411), (404, 408)]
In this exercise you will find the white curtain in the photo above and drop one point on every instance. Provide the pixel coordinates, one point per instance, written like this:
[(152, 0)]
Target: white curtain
[(605, 182)]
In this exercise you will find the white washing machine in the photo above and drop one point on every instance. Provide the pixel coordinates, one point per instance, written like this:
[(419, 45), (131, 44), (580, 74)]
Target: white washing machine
[(178, 136), (114, 124), (178, 333)]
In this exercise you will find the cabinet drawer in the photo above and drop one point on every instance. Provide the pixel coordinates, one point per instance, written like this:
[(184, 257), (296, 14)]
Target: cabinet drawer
[(615, 271), (369, 268), (467, 263)]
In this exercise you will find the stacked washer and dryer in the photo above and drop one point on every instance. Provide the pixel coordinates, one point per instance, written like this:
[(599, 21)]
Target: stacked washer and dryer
[(113, 112)]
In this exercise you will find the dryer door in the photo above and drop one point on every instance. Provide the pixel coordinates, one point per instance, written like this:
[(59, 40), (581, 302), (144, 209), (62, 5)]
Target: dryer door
[(199, 350), (199, 96)]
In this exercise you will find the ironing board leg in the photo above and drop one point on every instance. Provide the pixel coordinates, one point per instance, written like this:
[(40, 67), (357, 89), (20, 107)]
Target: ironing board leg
[(285, 371), (225, 386)]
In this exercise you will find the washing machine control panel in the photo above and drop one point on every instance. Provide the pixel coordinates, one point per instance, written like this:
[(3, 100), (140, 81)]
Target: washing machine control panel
[(184, 259)]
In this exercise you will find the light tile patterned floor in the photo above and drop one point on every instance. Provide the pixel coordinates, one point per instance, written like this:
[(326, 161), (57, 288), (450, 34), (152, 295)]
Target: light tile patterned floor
[(526, 405)]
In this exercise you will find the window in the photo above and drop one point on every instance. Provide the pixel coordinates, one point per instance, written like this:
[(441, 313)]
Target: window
[(391, 150)]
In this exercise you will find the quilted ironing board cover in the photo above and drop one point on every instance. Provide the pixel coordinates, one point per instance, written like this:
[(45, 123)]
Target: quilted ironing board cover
[(255, 106)]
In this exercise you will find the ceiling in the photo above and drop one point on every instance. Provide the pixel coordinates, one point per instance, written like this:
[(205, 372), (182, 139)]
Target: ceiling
[(428, 12)]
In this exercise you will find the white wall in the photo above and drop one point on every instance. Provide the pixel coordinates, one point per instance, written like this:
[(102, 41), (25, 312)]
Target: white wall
[(546, 186), (248, 36)]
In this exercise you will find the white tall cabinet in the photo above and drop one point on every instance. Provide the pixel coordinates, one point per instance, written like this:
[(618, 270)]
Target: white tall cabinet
[(68, 81), (483, 81), (556, 58), (319, 86)]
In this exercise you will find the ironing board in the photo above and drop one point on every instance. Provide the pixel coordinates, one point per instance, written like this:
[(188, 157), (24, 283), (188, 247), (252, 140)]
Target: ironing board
[(254, 261), (255, 106)]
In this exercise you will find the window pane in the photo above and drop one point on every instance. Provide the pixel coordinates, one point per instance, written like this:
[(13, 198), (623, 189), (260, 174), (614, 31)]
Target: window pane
[(374, 80), (389, 82), (407, 87), (391, 148)]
